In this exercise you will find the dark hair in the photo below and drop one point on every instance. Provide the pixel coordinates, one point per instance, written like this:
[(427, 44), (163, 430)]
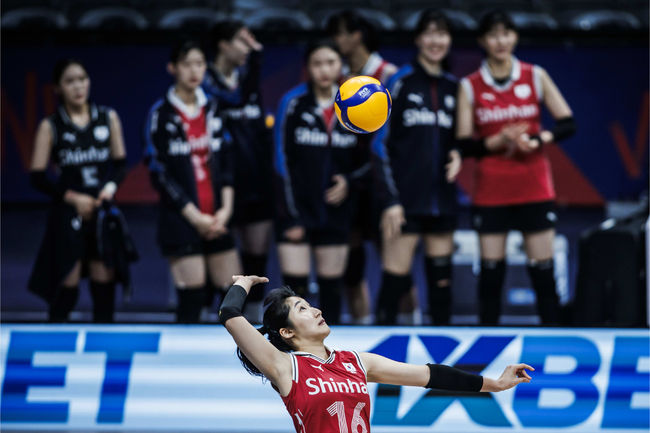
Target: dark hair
[(182, 48), (224, 31), (434, 16), (492, 19), (318, 44), (352, 21), (275, 318), (60, 67)]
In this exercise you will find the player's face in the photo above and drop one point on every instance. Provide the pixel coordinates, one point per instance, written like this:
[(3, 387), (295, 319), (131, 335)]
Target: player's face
[(190, 70), (433, 43), (499, 43), (237, 50), (308, 322), (324, 67), (345, 40), (74, 85)]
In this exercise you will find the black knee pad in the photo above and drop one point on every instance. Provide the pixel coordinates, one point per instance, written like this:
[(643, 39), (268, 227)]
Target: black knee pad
[(255, 264), (393, 287), (355, 267), (438, 270), (329, 296), (103, 295), (542, 276), (190, 302), (297, 284), (64, 303), (490, 285)]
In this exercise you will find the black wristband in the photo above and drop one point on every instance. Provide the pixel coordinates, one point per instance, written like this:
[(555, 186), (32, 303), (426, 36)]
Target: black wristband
[(564, 128), (41, 182), (453, 379), (119, 170), (232, 303)]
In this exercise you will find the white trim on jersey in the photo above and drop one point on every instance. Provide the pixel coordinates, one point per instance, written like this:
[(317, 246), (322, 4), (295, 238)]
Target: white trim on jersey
[(294, 367), (201, 100), (515, 73), (371, 66), (537, 80), (317, 358), (469, 90), (363, 368)]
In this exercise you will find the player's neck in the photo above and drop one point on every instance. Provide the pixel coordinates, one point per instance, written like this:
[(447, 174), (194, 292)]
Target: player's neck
[(317, 349), (324, 96), (500, 68), (431, 68), (358, 59), (76, 110), (188, 96), (224, 66)]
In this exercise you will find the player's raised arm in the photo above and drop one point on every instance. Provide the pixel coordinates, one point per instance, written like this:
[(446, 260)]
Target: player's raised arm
[(274, 364), (437, 376)]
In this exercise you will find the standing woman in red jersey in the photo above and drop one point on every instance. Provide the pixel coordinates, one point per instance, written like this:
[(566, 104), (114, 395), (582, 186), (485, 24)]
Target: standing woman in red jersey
[(499, 110), (187, 154), (325, 390), (84, 142)]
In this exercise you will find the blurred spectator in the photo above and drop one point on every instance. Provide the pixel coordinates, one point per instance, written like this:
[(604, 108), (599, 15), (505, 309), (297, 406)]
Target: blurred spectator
[(500, 105), (233, 78), (84, 142), (417, 164), (190, 164), (318, 162)]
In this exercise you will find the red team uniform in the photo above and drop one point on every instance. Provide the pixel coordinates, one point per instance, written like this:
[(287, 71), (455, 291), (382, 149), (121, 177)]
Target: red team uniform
[(503, 178), (329, 396)]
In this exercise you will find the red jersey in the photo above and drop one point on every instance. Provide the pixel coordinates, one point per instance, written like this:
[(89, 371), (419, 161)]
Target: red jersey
[(375, 67), (504, 179), (329, 396), (198, 139)]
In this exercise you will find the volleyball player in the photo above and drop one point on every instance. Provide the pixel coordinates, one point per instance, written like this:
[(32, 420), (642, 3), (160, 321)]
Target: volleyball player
[(188, 158), (418, 163), (326, 390), (357, 39), (84, 142), (500, 105), (233, 78), (317, 162)]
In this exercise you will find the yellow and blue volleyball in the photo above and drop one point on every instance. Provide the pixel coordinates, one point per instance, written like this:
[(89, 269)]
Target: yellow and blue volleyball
[(362, 104)]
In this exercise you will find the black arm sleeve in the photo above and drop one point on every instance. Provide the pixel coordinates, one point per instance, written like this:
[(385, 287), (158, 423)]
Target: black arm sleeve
[(119, 170), (564, 128), (232, 304), (39, 181), (453, 379)]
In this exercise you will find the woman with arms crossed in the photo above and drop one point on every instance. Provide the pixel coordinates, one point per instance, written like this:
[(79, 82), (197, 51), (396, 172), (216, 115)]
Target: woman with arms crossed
[(325, 390)]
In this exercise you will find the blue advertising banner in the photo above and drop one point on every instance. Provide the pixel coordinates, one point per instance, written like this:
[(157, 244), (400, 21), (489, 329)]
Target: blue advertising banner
[(172, 378)]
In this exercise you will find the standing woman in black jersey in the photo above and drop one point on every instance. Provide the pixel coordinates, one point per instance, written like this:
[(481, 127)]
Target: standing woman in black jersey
[(233, 79), (84, 142), (417, 164), (318, 164), (187, 151)]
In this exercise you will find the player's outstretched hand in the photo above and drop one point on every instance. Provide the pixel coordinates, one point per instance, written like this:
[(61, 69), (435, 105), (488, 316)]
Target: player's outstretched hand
[(248, 281), (512, 376)]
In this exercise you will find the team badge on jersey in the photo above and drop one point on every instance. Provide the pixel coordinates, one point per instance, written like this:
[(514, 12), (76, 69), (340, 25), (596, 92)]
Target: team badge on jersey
[(416, 98), (69, 136), (101, 132), (522, 91), (350, 367), (450, 101)]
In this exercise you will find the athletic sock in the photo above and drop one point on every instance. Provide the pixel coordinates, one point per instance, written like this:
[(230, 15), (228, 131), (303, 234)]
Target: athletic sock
[(393, 287), (542, 275), (63, 304), (190, 302), (438, 270), (297, 284), (103, 295), (490, 285), (329, 295)]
